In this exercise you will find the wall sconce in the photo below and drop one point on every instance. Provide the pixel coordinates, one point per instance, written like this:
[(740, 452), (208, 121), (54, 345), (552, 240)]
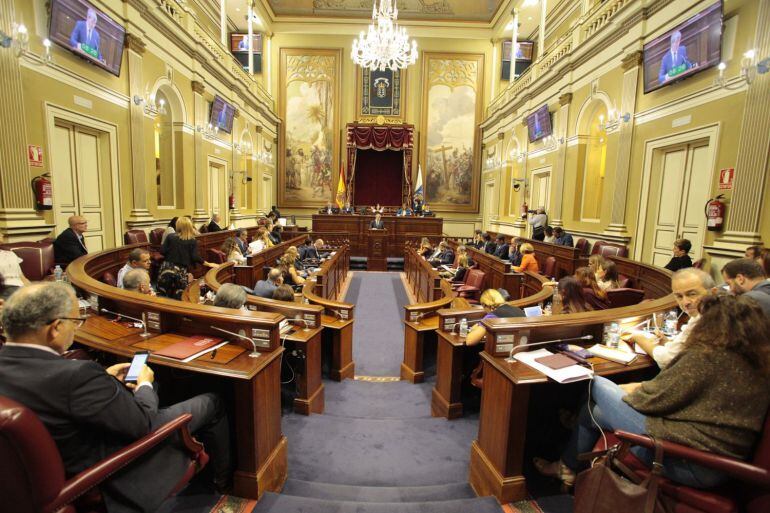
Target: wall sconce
[(18, 40), (209, 131), (151, 107), (47, 57), (613, 119), (750, 68)]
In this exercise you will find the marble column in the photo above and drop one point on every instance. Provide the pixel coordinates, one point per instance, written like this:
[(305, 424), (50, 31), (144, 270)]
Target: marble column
[(16, 199), (557, 178), (521, 223), (631, 67), (201, 173), (238, 165), (744, 210), (135, 49)]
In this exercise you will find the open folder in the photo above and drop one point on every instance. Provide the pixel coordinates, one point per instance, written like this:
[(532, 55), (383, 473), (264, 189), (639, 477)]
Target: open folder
[(568, 374)]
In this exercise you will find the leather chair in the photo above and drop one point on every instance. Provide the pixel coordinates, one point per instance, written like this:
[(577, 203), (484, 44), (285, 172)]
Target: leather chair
[(549, 267), (33, 473), (38, 258), (472, 288), (215, 256), (624, 297), (134, 237), (607, 249), (156, 236), (109, 278), (459, 284), (624, 281), (584, 246), (204, 228), (749, 492)]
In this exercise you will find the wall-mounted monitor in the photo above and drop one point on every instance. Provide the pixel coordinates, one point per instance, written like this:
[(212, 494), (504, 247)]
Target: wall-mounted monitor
[(524, 52), (85, 30), (222, 114), (239, 47), (688, 48), (539, 124)]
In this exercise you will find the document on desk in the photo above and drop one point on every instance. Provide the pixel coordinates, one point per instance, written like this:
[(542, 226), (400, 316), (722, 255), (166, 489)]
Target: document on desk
[(564, 375)]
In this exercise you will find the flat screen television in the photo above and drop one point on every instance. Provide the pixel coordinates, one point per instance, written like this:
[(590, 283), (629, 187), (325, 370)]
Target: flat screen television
[(239, 42), (688, 48), (525, 50), (539, 124), (86, 31), (222, 114)]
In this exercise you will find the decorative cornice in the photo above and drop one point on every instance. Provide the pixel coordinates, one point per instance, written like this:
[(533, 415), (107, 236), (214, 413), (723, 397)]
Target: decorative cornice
[(135, 43), (198, 87), (632, 60), (565, 99)]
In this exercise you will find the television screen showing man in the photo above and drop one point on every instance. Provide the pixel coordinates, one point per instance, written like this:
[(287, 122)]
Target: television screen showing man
[(85, 37), (243, 44), (675, 61)]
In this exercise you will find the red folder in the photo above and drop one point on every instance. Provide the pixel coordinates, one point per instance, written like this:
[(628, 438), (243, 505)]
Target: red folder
[(188, 347)]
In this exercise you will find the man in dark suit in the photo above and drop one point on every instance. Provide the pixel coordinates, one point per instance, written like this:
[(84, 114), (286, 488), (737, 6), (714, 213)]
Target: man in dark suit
[(241, 239), (347, 209), (214, 224), (377, 224), (675, 61), (91, 412), (275, 234), (501, 249), (276, 213), (85, 37), (265, 288), (330, 209), (70, 244), (489, 244), (312, 251), (444, 256)]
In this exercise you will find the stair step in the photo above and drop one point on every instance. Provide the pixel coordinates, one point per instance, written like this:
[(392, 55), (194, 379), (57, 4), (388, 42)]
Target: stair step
[(275, 503), (338, 492)]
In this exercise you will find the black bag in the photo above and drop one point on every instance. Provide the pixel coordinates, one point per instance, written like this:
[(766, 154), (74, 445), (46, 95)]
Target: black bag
[(172, 280), (609, 486)]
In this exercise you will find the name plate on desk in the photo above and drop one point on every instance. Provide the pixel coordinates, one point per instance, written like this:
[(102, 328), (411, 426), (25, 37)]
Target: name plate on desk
[(153, 322), (501, 344), (449, 323), (261, 338), (309, 319)]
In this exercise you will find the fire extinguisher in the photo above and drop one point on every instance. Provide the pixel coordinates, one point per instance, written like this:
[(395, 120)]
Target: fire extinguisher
[(231, 201), (524, 210), (43, 192), (715, 213)]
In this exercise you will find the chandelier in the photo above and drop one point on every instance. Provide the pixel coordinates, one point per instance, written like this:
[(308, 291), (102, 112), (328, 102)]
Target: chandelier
[(385, 45)]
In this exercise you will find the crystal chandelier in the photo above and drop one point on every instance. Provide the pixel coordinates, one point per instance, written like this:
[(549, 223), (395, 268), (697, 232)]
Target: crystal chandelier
[(385, 45)]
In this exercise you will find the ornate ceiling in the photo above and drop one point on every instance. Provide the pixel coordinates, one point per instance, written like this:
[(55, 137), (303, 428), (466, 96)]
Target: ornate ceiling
[(455, 10)]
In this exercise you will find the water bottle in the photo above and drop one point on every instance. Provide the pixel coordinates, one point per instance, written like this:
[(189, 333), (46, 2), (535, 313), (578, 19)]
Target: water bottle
[(57, 273), (670, 323), (556, 303), (463, 327), (612, 335)]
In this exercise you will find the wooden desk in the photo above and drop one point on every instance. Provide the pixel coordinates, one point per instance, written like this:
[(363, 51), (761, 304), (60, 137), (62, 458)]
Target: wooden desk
[(356, 228), (261, 459)]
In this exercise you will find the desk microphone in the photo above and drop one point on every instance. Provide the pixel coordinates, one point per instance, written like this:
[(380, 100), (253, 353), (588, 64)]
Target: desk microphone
[(298, 319), (144, 323), (416, 318), (254, 353), (521, 347)]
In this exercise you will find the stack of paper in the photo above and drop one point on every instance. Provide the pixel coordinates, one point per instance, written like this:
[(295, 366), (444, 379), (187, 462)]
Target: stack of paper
[(614, 355), (564, 375)]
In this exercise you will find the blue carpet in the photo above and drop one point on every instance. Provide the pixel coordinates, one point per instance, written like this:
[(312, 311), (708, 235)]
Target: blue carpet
[(378, 331)]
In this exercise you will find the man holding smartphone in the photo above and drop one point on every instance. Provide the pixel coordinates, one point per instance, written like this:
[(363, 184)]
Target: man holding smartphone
[(91, 412)]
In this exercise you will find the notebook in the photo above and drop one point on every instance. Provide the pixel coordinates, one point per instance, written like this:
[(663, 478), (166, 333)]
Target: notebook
[(614, 355), (191, 347)]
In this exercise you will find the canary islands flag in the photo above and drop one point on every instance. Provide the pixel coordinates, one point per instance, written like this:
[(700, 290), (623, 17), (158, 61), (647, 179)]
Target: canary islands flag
[(340, 199), (418, 184)]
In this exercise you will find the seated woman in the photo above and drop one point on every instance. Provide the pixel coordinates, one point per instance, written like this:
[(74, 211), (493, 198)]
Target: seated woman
[(607, 275), (528, 260), (426, 249), (11, 271), (232, 251), (459, 274), (261, 241), (288, 270), (549, 236), (595, 261), (713, 396), (404, 211), (594, 294), (572, 298), (495, 306), (293, 251)]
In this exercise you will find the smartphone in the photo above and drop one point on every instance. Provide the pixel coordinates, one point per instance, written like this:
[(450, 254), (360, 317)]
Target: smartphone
[(137, 363)]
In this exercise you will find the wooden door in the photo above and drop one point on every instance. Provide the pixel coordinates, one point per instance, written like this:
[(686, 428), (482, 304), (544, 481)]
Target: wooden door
[(218, 191), (540, 192)]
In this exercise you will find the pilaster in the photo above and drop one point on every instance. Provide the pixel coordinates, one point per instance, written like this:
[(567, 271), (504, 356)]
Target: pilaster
[(751, 168), (562, 125), (136, 48), (199, 107)]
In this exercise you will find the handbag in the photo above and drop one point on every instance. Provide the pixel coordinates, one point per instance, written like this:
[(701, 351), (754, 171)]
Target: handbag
[(609, 486)]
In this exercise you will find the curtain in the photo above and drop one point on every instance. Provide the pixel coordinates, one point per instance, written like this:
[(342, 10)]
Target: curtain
[(366, 137)]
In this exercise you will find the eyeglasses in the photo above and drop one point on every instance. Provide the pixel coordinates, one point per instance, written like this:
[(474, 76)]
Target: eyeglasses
[(77, 321)]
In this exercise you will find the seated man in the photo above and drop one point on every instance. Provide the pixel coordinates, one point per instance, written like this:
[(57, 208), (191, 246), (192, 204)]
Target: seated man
[(283, 293), (275, 234), (242, 239), (214, 225), (404, 211), (681, 259), (501, 249), (138, 280), (89, 411), (514, 252), (306, 245), (265, 288), (746, 276), (562, 238), (489, 244), (347, 209), (443, 256), (70, 244), (230, 295), (689, 286), (426, 211), (313, 252), (330, 209), (138, 259)]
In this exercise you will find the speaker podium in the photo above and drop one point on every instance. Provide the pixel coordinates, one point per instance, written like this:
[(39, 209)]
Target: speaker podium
[(377, 250)]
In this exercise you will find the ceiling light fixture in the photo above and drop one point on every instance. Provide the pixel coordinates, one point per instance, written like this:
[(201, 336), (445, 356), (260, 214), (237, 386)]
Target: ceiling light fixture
[(385, 45)]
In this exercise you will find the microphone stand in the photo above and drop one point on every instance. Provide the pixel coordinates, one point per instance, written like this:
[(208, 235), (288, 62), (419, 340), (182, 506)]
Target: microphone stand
[(254, 353), (145, 333), (520, 348), (300, 320)]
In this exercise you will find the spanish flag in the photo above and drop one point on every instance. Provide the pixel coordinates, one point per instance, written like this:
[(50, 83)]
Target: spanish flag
[(341, 187)]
